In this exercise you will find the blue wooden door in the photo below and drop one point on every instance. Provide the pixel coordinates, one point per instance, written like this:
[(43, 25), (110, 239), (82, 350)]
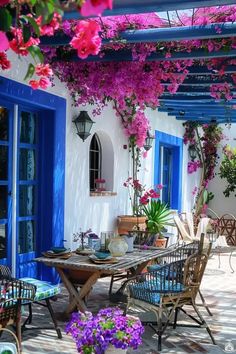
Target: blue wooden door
[(6, 123), (166, 171), (27, 192)]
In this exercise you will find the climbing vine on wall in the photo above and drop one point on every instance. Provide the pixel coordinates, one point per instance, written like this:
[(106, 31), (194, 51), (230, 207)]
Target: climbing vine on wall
[(203, 141)]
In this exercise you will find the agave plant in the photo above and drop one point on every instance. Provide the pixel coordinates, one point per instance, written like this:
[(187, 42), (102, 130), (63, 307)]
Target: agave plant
[(158, 216)]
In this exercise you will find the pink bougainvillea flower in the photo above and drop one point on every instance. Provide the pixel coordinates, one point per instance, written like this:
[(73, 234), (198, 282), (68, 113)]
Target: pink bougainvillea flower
[(43, 70), (17, 43), (4, 62), (86, 39), (49, 28), (44, 83), (4, 43), (95, 7), (4, 2), (34, 84)]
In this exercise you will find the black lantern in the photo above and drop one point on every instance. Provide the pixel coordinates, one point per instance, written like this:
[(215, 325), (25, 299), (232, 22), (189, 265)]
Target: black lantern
[(148, 141), (192, 152), (83, 125)]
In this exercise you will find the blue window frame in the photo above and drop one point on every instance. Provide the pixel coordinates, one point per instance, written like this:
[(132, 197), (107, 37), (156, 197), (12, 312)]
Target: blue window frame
[(168, 168), (50, 181)]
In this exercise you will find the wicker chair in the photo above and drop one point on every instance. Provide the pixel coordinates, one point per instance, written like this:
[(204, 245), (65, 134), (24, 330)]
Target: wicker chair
[(167, 290), (141, 238), (14, 293), (44, 292)]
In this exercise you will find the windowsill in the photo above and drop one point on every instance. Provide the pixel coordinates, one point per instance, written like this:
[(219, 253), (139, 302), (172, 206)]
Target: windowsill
[(102, 194)]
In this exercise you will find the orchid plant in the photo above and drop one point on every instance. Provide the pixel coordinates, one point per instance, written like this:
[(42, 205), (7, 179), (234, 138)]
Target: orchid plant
[(95, 333), (139, 195)]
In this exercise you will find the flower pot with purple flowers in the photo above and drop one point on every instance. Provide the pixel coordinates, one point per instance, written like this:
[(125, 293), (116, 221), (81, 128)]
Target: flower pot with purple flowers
[(107, 332)]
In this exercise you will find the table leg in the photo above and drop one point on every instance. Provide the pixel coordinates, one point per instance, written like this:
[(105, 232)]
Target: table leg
[(134, 271), (77, 296)]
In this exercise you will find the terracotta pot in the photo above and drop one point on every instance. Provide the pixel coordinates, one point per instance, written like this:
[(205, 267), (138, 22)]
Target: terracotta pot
[(113, 350), (160, 242), (127, 223)]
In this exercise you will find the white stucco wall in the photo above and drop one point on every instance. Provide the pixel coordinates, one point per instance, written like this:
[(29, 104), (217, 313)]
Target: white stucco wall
[(220, 204), (99, 213)]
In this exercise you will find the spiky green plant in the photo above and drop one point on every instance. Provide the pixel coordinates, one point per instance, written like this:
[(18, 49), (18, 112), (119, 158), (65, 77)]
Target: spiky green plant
[(158, 216)]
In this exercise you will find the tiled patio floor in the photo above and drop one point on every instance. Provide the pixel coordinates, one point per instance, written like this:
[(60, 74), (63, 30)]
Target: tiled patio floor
[(219, 289)]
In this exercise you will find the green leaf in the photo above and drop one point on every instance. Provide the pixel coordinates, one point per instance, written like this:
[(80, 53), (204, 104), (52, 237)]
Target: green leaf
[(26, 33), (5, 20), (30, 72), (33, 23), (36, 53)]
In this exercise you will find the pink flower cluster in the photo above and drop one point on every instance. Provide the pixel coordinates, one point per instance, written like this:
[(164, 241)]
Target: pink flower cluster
[(18, 45), (95, 7), (49, 28), (221, 91), (193, 166), (133, 183), (150, 194), (137, 128), (86, 39), (44, 72)]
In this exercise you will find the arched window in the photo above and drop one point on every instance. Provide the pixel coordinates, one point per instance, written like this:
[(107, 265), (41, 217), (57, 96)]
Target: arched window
[(95, 161)]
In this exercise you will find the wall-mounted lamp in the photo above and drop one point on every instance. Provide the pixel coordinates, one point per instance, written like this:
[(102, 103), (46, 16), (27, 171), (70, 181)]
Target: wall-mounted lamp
[(192, 152), (83, 125), (148, 141)]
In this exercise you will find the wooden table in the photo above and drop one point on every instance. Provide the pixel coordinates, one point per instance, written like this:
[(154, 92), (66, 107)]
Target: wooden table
[(135, 262)]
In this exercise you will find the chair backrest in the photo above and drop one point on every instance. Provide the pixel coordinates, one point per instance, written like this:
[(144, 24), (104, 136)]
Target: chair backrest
[(5, 272), (195, 266), (227, 227), (183, 233)]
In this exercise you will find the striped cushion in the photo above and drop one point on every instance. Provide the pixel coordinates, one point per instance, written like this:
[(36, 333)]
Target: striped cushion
[(44, 289)]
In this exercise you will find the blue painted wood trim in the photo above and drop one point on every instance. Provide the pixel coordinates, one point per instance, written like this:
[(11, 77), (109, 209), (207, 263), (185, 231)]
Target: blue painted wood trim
[(121, 7), (157, 34), (177, 145), (52, 109)]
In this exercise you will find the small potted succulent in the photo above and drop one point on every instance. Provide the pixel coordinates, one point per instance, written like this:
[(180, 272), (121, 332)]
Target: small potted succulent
[(109, 331)]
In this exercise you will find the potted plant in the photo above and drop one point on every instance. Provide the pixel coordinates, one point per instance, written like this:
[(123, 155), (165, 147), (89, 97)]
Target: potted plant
[(127, 223), (158, 216), (109, 331)]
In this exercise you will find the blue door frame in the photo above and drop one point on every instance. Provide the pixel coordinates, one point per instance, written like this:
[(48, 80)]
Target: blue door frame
[(176, 144), (52, 117), (6, 222)]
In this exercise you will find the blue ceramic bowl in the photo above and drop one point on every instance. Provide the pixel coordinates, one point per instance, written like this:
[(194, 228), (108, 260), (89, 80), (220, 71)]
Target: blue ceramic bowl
[(58, 249), (102, 255)]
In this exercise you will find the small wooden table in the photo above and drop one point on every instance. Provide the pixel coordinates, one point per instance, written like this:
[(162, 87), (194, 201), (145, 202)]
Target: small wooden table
[(135, 262)]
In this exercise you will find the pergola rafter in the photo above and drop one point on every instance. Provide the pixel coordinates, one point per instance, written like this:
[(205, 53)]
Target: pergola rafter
[(153, 35), (193, 96), (121, 7)]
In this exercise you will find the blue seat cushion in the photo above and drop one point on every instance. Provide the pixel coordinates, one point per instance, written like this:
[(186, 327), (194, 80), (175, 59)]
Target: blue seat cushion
[(151, 290), (44, 289)]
